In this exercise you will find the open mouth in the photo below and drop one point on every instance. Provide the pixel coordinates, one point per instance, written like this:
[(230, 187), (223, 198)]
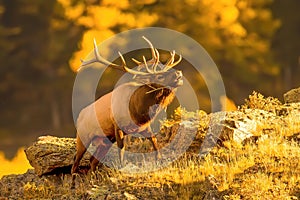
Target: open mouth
[(179, 80)]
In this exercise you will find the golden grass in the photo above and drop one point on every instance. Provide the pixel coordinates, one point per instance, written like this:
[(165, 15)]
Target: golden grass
[(266, 168)]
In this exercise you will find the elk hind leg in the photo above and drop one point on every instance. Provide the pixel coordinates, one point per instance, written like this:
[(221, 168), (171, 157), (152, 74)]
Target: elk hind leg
[(121, 145), (150, 136), (103, 145), (153, 140)]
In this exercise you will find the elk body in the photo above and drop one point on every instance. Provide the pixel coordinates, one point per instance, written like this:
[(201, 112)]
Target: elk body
[(128, 109)]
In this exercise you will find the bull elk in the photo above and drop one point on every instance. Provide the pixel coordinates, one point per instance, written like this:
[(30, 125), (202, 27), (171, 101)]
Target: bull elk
[(129, 108)]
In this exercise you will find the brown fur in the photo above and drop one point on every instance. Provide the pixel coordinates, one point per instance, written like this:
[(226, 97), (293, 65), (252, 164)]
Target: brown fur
[(143, 99)]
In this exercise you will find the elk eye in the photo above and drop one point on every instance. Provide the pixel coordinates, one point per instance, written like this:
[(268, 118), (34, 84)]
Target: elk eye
[(160, 77)]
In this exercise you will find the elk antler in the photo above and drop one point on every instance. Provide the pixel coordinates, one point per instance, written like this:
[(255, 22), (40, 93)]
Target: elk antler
[(131, 71), (100, 59), (155, 57), (170, 63), (155, 54), (152, 70), (97, 58)]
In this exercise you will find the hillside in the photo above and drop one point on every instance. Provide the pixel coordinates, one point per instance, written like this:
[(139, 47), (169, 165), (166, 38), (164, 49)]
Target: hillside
[(256, 156)]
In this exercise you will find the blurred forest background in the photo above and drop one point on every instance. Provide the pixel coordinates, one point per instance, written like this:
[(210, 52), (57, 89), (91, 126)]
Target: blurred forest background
[(255, 44)]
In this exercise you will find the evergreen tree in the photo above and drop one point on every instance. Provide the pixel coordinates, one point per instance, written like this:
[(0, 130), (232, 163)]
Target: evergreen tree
[(36, 81), (236, 33), (286, 43)]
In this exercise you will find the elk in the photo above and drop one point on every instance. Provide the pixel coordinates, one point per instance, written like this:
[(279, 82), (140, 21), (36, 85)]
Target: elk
[(129, 108)]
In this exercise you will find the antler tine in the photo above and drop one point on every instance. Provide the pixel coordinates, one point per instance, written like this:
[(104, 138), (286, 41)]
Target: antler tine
[(155, 54), (177, 62), (123, 61), (97, 58), (131, 71), (173, 64), (136, 61), (156, 61), (146, 65), (171, 59), (151, 47)]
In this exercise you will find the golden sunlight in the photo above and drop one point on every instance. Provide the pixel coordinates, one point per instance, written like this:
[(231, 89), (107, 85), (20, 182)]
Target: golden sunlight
[(100, 21), (87, 46), (227, 104), (18, 165)]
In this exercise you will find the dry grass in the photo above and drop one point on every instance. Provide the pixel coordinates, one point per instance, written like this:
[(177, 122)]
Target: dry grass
[(268, 169), (265, 168)]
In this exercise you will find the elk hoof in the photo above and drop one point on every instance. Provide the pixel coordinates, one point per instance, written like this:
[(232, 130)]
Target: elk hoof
[(158, 155), (73, 181)]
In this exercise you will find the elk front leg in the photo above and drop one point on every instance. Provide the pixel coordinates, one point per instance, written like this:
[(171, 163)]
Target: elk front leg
[(150, 136), (80, 150), (120, 144)]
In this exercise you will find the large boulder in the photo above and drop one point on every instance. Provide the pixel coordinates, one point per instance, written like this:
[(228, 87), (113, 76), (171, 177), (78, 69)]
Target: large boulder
[(51, 153), (292, 96)]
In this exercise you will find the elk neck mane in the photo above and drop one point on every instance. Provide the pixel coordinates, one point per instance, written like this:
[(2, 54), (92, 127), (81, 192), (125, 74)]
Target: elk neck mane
[(143, 104)]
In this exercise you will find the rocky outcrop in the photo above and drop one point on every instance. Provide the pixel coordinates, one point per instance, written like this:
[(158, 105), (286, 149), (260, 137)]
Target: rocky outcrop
[(250, 124), (196, 132), (259, 118), (49, 154), (292, 96)]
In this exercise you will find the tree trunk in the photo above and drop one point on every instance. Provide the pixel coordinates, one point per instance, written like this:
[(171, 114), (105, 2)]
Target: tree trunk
[(56, 121)]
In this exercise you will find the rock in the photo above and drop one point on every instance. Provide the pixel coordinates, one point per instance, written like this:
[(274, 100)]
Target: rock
[(29, 185), (292, 96), (246, 124), (130, 196), (52, 157), (50, 153), (12, 185), (190, 134), (224, 126)]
